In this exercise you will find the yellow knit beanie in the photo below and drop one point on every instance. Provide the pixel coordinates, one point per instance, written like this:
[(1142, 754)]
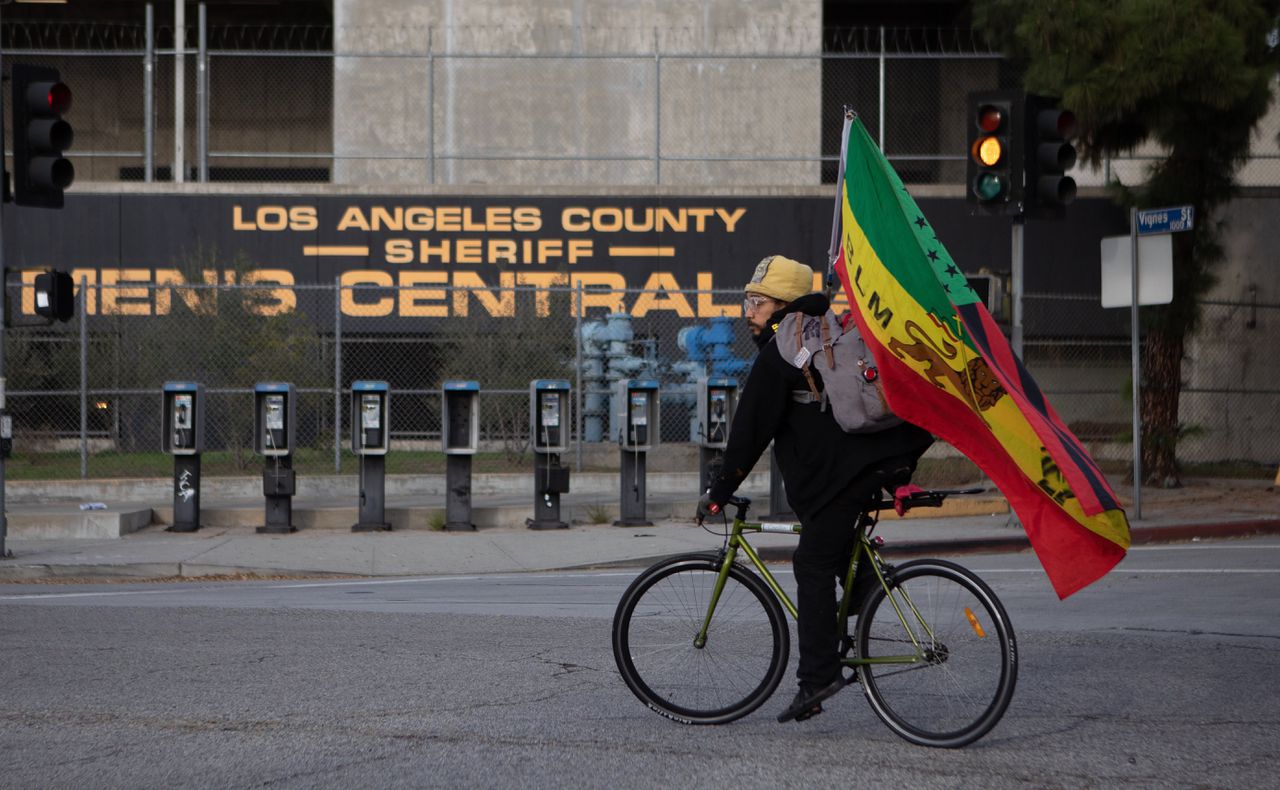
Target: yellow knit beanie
[(781, 278)]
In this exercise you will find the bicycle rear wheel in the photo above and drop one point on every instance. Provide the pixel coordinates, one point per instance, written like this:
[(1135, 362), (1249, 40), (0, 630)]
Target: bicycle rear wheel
[(951, 623), (655, 627)]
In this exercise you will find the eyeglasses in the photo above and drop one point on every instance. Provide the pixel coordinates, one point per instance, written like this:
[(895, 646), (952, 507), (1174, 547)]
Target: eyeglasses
[(753, 303)]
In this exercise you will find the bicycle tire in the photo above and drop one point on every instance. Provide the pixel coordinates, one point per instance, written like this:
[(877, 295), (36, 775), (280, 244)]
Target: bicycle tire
[(964, 687), (739, 667)]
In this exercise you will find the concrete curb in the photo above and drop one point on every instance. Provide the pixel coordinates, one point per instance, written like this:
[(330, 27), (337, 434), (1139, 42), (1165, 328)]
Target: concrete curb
[(905, 549), (1173, 533), (137, 570)]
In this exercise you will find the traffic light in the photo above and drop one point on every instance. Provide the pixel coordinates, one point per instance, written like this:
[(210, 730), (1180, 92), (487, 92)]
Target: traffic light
[(1048, 155), (55, 296), (40, 135), (994, 151)]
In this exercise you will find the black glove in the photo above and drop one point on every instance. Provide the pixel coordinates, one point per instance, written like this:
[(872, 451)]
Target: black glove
[(706, 507)]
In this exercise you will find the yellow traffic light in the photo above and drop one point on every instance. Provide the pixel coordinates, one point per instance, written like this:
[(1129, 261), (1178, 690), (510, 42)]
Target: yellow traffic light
[(989, 151), (993, 151)]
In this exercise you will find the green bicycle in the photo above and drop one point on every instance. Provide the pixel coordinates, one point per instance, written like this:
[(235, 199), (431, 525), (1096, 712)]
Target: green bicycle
[(701, 639)]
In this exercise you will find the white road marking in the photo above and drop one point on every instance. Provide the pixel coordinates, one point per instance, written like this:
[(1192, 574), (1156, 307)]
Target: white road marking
[(493, 578)]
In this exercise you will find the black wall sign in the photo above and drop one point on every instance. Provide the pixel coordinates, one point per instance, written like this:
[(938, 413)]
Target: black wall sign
[(144, 248)]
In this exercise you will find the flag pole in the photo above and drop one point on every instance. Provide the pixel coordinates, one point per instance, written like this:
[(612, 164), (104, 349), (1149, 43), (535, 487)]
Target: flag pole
[(832, 283)]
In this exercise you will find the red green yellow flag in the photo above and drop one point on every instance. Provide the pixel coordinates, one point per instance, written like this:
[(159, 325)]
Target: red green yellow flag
[(947, 367)]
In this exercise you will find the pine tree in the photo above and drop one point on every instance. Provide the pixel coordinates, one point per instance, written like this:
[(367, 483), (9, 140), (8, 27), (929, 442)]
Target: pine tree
[(1191, 76)]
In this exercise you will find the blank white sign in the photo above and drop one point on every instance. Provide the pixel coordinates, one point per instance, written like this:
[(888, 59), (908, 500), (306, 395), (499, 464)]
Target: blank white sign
[(1155, 270)]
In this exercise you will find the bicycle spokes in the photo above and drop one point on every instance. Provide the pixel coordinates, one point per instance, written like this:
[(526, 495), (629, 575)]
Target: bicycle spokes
[(936, 655)]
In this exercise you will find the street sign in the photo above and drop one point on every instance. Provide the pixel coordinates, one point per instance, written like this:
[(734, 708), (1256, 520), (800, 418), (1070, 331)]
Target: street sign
[(1148, 222), (1165, 220)]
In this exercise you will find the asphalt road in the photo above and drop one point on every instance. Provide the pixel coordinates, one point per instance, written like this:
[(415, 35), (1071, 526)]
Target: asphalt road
[(1161, 675)]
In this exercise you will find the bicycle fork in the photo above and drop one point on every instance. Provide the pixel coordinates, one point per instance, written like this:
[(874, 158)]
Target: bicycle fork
[(728, 556)]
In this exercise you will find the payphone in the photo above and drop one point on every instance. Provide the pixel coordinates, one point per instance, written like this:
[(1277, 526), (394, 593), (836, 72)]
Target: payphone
[(370, 439), (636, 417), (183, 418), (637, 414), (549, 426), (275, 417), (717, 400), (460, 417), (549, 415), (370, 417), (182, 436), (275, 407), (460, 436)]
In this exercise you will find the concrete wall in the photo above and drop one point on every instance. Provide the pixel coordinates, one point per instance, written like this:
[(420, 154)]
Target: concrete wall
[(408, 72), (1236, 347)]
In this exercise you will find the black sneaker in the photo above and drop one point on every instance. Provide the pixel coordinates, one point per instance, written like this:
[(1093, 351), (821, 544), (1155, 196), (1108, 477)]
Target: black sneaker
[(808, 701)]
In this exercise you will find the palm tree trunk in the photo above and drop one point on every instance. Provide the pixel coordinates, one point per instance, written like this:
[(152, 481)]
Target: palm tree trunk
[(1161, 386)]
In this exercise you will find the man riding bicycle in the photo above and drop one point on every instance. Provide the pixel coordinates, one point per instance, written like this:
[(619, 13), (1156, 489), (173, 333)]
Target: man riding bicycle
[(829, 475)]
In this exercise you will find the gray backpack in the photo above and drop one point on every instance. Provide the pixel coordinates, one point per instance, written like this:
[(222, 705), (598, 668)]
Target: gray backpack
[(851, 383)]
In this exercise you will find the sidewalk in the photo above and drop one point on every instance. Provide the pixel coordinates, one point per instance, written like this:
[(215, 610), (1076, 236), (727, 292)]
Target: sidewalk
[(228, 545)]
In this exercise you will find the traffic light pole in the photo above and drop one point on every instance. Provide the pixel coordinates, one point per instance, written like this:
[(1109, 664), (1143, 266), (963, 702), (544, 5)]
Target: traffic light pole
[(1017, 236), (4, 299), (1135, 353)]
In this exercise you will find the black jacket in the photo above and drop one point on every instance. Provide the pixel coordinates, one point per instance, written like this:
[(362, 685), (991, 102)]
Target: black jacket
[(816, 458)]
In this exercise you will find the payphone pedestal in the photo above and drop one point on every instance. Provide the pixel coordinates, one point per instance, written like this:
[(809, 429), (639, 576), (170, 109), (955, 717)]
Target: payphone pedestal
[(457, 503), (550, 481), (182, 435), (631, 500), (460, 436), (186, 494), (778, 506), (278, 486), (709, 461), (373, 499)]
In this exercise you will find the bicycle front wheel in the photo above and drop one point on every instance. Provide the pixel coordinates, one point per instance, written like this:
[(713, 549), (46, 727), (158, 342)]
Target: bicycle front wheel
[(655, 645), (943, 659)]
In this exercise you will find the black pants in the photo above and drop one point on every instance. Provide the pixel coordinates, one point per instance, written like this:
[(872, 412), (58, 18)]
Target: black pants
[(826, 544)]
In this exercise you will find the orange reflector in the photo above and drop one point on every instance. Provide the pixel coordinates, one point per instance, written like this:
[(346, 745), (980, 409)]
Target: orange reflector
[(973, 623)]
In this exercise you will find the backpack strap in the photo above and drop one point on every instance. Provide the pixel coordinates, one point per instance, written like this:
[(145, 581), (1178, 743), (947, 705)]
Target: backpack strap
[(826, 344), (808, 377)]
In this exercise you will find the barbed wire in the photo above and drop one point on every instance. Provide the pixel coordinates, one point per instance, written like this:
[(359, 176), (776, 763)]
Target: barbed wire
[(517, 39), (110, 36), (905, 41)]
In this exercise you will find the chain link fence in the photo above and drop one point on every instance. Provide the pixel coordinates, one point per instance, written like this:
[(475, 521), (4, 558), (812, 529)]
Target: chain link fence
[(447, 107), (86, 399)]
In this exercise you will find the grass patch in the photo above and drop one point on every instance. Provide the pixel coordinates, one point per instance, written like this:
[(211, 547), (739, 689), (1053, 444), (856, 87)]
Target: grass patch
[(66, 466), (1226, 470), (1236, 470), (598, 513)]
